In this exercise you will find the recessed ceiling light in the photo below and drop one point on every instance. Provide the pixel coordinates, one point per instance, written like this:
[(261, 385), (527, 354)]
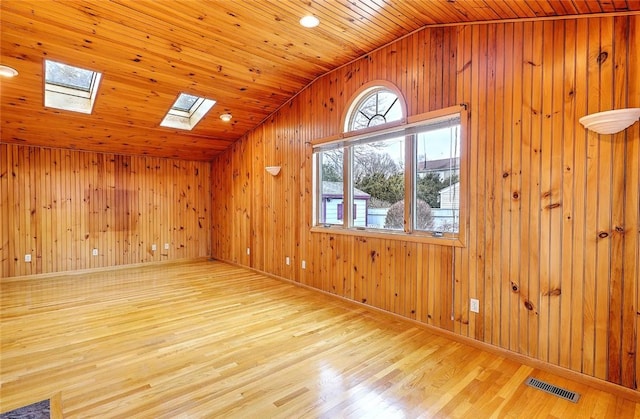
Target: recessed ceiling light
[(6, 71), (309, 21), (226, 117)]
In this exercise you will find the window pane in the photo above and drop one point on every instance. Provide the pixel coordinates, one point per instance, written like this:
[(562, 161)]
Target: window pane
[(331, 199), (378, 107), (185, 102), (69, 88), (369, 106), (360, 121), (389, 106), (437, 181), (187, 111), (378, 184), (68, 76)]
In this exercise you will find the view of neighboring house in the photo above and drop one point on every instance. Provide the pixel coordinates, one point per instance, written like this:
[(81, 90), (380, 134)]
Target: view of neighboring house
[(447, 217), (444, 168), (450, 196), (333, 206)]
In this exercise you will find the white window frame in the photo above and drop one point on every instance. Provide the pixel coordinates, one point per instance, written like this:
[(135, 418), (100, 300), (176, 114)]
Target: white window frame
[(393, 130), (177, 118), (69, 98), (362, 97)]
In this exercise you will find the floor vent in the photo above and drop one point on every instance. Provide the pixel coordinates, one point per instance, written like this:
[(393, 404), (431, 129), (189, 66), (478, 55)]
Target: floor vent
[(572, 396)]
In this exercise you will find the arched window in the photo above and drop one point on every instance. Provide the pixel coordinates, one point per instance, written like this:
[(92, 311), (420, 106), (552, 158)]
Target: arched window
[(375, 106), (395, 176)]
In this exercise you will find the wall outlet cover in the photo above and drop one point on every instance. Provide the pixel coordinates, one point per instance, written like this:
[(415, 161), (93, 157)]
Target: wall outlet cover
[(474, 306)]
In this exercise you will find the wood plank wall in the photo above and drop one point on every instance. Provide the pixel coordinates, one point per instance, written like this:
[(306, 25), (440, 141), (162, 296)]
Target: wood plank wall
[(58, 205), (554, 234)]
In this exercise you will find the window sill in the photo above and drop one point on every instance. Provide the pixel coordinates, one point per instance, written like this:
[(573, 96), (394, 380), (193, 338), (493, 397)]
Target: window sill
[(390, 235)]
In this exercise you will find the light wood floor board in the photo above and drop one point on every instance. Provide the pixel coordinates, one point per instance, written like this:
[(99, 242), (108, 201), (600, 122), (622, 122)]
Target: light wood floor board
[(203, 338)]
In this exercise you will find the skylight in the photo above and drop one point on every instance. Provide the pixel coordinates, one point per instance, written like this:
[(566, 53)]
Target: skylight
[(187, 111), (185, 102), (70, 88)]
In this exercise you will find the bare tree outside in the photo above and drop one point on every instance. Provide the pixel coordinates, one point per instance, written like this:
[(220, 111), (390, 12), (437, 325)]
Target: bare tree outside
[(369, 160)]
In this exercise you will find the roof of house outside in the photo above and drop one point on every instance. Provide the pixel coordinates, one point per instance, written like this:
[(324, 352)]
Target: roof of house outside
[(439, 165), (334, 190), (455, 187)]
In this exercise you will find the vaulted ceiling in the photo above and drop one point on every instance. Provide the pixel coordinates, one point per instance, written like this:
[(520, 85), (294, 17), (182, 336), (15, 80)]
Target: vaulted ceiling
[(251, 56)]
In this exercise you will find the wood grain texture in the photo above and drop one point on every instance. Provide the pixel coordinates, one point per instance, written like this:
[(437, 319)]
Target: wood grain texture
[(59, 205), (251, 56), (203, 338), (552, 248)]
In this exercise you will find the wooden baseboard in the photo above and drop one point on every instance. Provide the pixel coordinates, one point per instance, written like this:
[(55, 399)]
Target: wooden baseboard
[(594, 382), (100, 269)]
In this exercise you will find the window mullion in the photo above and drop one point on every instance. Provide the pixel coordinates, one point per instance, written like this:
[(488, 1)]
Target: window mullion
[(347, 202), (317, 186), (409, 181)]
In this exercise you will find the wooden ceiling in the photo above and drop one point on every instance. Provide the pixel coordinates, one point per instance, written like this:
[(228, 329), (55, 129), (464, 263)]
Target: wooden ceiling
[(251, 56)]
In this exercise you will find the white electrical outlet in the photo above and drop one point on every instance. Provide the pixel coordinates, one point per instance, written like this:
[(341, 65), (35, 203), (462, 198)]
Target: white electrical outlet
[(474, 305), (27, 257), (94, 252), (154, 247), (304, 264), (287, 260), (166, 246), (248, 251)]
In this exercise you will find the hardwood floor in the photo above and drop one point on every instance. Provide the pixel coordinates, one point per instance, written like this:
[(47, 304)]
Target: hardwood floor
[(206, 339)]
